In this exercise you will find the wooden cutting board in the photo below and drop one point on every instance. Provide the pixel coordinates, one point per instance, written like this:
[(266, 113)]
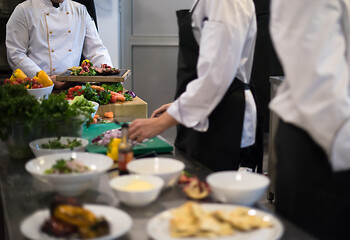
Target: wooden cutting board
[(68, 77), (157, 144)]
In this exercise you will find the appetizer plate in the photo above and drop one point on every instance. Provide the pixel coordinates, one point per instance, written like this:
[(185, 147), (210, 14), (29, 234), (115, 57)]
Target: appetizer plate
[(158, 226), (119, 222)]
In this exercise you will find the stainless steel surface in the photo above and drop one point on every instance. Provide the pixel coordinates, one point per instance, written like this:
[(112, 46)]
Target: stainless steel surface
[(272, 161), (22, 195)]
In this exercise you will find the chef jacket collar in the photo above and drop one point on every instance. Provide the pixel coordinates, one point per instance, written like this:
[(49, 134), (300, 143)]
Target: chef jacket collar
[(50, 8)]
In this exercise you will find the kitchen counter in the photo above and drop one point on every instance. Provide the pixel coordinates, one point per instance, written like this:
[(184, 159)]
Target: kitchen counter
[(22, 195)]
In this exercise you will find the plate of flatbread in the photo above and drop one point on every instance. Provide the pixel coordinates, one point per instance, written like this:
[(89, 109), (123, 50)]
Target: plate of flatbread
[(193, 221)]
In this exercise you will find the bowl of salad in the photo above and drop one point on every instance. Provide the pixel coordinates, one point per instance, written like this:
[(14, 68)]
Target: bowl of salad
[(69, 174), (51, 145), (84, 105)]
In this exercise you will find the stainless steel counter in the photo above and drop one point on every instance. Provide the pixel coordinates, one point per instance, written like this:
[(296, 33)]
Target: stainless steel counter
[(22, 195)]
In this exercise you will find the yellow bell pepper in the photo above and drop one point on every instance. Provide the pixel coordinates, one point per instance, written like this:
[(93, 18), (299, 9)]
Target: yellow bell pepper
[(113, 148), (43, 78), (17, 74)]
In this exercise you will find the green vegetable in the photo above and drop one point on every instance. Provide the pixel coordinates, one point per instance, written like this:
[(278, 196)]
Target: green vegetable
[(61, 166), (41, 119), (56, 144), (128, 97), (114, 87), (103, 97)]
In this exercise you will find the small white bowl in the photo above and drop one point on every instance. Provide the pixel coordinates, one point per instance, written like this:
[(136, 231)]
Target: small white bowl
[(136, 198), (41, 93), (243, 188), (38, 151), (167, 168), (70, 184)]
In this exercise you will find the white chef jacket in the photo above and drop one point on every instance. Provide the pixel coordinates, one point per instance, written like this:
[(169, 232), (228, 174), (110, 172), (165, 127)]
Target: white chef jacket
[(42, 37), (226, 33), (312, 39)]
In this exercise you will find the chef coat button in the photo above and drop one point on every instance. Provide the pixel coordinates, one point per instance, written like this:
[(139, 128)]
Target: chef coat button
[(70, 50), (47, 14), (67, 12), (69, 31), (50, 32), (54, 69), (52, 50)]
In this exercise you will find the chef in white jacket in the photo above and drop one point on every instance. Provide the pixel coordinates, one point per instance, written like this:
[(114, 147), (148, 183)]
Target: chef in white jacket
[(41, 36), (213, 106), (312, 39)]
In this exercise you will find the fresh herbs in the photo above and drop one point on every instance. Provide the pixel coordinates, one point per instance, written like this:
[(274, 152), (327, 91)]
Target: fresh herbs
[(102, 97), (114, 87), (57, 144), (51, 116)]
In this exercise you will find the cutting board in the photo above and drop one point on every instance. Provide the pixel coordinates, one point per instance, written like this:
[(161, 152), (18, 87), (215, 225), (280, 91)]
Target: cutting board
[(120, 77), (157, 144)]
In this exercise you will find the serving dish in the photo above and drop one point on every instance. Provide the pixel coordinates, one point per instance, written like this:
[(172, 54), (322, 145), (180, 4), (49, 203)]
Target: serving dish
[(120, 77), (41, 93), (120, 222), (238, 187), (166, 168), (74, 183), (158, 226), (38, 150)]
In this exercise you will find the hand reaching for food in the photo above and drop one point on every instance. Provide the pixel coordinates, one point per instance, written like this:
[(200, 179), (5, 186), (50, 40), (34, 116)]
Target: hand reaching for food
[(160, 110)]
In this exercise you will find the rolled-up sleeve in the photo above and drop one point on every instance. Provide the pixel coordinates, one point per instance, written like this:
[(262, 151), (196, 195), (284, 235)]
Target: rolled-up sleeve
[(17, 40), (221, 45), (312, 40)]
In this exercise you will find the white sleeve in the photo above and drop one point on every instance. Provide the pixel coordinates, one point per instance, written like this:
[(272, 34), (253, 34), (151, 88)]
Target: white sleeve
[(221, 47), (312, 43), (94, 49), (17, 41)]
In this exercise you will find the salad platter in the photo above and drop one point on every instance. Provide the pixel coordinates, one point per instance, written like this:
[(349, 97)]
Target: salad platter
[(119, 77)]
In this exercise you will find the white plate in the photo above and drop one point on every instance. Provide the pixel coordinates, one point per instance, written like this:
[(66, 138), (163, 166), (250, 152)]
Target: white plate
[(119, 222), (158, 226)]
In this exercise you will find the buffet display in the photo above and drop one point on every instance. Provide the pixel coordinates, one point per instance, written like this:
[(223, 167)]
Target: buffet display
[(73, 151)]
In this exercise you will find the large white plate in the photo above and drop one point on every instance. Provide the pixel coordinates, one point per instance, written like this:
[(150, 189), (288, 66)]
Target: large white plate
[(119, 222), (158, 226)]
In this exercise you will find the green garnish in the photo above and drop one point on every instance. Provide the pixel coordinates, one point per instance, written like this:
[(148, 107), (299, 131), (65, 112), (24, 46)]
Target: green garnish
[(65, 167), (57, 144)]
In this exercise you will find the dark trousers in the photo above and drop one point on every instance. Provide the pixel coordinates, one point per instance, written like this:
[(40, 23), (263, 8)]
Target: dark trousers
[(308, 192)]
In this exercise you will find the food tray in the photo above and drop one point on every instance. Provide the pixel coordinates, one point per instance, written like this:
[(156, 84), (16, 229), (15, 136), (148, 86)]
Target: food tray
[(68, 77)]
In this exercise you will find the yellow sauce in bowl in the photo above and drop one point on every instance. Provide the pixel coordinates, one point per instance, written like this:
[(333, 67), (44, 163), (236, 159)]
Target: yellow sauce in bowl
[(138, 185)]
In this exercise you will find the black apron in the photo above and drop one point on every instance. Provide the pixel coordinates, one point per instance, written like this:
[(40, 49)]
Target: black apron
[(308, 192), (219, 147)]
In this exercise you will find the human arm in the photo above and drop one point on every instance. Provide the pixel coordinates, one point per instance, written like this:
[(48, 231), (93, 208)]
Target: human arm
[(311, 40), (223, 40), (17, 43), (160, 110), (141, 129), (93, 48)]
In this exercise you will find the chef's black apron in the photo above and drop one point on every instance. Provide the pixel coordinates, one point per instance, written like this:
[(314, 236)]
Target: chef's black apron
[(219, 147), (308, 192)]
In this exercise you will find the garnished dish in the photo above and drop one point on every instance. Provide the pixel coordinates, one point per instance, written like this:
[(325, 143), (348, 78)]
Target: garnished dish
[(63, 166), (196, 189), (190, 220), (87, 69), (68, 218), (57, 144), (18, 77), (214, 221)]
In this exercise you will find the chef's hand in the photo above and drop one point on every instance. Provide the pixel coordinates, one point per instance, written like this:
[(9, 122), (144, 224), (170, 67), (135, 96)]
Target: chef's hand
[(59, 85), (160, 110), (141, 129)]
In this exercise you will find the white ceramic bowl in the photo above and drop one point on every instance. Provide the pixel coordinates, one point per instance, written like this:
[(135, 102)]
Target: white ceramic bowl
[(38, 151), (136, 198), (243, 188), (167, 168), (41, 93), (70, 184)]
